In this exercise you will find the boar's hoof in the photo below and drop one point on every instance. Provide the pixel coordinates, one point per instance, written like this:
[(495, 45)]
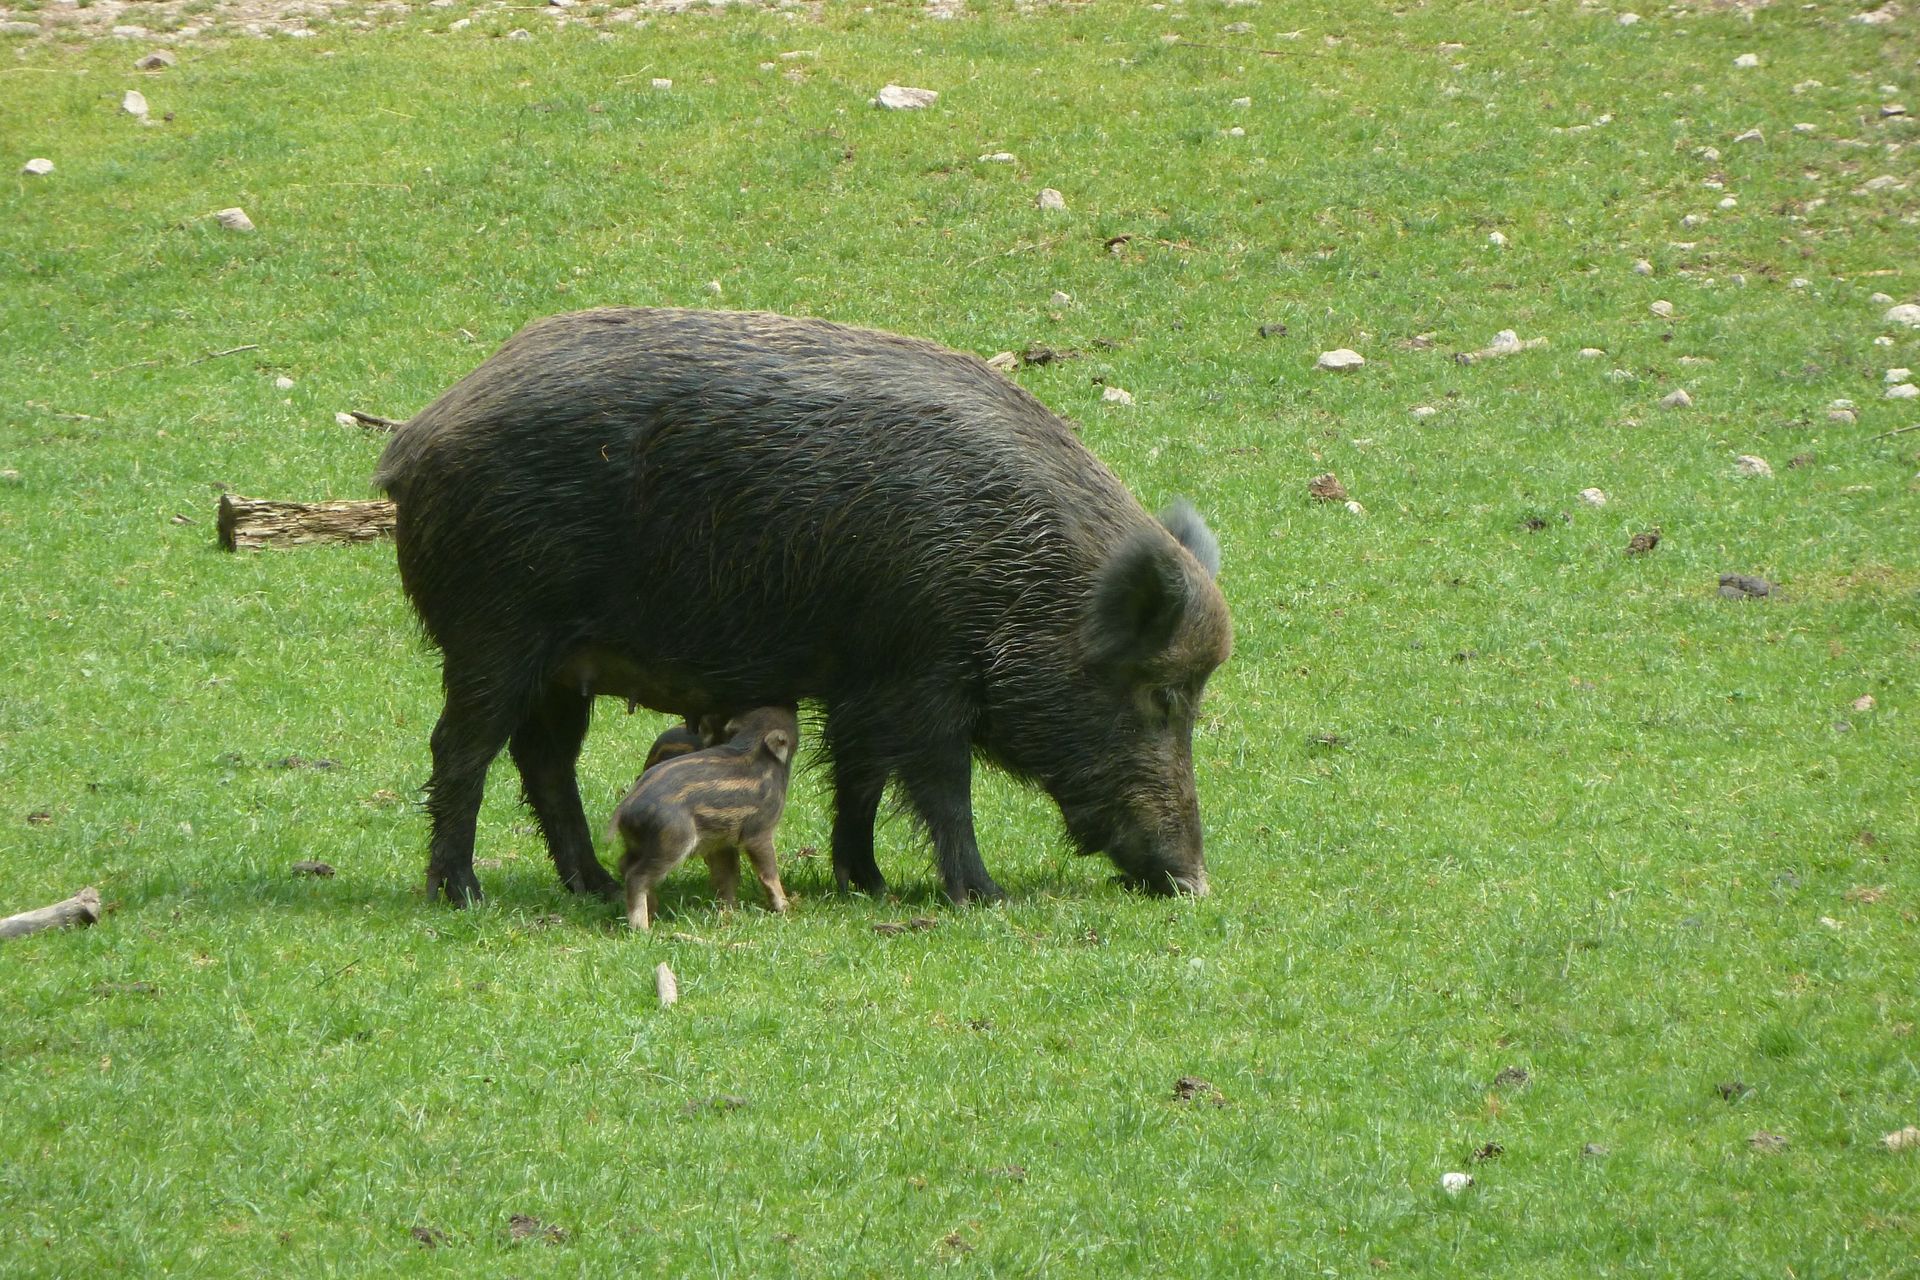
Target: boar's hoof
[(594, 879), (874, 885), (460, 885), (985, 892)]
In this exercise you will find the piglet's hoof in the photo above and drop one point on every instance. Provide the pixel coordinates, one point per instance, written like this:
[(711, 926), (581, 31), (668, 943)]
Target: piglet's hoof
[(461, 886)]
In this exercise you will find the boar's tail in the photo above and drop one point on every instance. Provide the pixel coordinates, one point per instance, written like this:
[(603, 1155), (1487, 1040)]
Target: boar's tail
[(398, 458)]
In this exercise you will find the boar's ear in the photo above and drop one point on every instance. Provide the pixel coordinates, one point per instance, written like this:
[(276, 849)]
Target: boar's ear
[(1185, 524), (1138, 602), (779, 744)]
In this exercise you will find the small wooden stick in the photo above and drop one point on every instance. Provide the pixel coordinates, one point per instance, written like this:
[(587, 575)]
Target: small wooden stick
[(666, 985), (1898, 431), (230, 351), (83, 909), (374, 420), (255, 522)]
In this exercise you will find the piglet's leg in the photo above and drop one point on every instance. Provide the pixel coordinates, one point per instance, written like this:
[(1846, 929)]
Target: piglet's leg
[(723, 865), (760, 850)]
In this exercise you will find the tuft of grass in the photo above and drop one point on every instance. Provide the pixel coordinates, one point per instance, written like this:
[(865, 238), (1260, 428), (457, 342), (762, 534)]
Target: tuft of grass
[(1482, 792)]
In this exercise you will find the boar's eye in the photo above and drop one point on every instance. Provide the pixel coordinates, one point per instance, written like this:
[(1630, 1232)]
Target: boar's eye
[(1166, 703)]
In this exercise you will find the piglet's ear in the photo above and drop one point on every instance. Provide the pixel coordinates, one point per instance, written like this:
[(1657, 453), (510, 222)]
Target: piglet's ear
[(1138, 602), (1185, 524), (779, 745)]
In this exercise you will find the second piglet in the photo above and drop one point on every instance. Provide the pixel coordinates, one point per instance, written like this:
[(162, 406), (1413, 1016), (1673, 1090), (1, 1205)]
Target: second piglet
[(720, 802)]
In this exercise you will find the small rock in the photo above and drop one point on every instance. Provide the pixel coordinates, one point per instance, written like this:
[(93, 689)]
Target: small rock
[(1678, 399), (1892, 109), (1595, 1151), (1641, 267), (1729, 202), (158, 60), (1880, 299), (1767, 1142), (1876, 17), (1236, 132), (1061, 298), (1907, 1139), (283, 383), (1641, 543), (1739, 586), (1591, 353), (1627, 19), (1114, 395), (1340, 360), (346, 419), (519, 33), (9, 477), (1619, 375), (1326, 488), (896, 97), (38, 167), (319, 869), (997, 157), (1905, 391), (1005, 362), (1423, 411), (1862, 703), (1747, 60), (1844, 416), (1898, 375), (662, 83), (234, 219), (1594, 497), (1906, 313), (1456, 1183), (1051, 200), (1751, 135), (1241, 102), (1885, 182), (1497, 240), (1355, 508), (1753, 465), (1710, 154), (134, 103), (1804, 127), (1662, 308)]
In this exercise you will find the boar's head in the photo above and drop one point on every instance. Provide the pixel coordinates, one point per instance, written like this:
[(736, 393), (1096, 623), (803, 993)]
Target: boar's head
[(1153, 630)]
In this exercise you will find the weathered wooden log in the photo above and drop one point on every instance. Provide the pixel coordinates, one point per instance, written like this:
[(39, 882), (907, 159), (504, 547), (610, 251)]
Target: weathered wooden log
[(83, 908), (256, 522)]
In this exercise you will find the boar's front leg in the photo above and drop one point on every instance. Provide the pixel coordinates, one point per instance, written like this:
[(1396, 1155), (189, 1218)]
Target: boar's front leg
[(546, 748), (859, 779), (939, 782)]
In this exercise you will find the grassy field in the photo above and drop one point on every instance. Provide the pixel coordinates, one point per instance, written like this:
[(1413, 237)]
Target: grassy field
[(1531, 859)]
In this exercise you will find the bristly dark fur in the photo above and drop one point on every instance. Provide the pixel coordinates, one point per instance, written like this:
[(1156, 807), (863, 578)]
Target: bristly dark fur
[(704, 511)]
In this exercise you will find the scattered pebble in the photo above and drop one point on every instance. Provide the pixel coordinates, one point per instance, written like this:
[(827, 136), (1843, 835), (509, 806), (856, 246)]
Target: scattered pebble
[(1355, 508), (1898, 375), (1905, 391), (1710, 154), (1242, 102), (1662, 308), (1749, 464), (1885, 182), (1497, 240), (1595, 1151), (519, 33), (1114, 395), (1061, 298), (1050, 199), (1627, 19), (1906, 313), (662, 83), (896, 97), (1326, 488), (1907, 1139), (134, 103), (1641, 267), (1677, 399), (1423, 411), (346, 420), (283, 383), (1340, 360), (1862, 703), (1236, 132), (1729, 202), (1740, 586), (38, 167), (158, 60), (1747, 60), (1751, 135), (1591, 353), (1876, 17), (1804, 127), (997, 157), (1880, 299), (1893, 109), (234, 219), (714, 287), (1594, 497), (1456, 1183)]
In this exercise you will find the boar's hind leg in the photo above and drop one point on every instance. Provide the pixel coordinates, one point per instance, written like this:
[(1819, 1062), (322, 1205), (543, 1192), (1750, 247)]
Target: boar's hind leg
[(470, 733), (545, 748), (939, 781), (858, 781)]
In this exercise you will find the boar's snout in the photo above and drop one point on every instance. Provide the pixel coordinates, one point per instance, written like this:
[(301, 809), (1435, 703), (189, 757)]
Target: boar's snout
[(1164, 867)]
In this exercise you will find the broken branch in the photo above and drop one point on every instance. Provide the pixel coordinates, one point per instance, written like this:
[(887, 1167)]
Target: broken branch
[(83, 909)]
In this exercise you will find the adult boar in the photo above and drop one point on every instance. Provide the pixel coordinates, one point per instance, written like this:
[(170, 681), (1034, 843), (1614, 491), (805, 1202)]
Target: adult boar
[(702, 511)]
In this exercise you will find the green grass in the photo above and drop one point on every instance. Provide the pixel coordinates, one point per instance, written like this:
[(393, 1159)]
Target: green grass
[(1578, 815)]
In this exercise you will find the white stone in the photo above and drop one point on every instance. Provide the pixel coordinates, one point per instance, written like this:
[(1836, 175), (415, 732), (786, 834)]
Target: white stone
[(283, 383), (896, 97), (1114, 395), (1905, 391), (1061, 298), (234, 219), (1455, 1183), (1882, 183), (1752, 466), (1751, 135), (997, 157), (1662, 308), (346, 420), (1497, 240), (661, 82), (1799, 282), (1679, 399), (1625, 20), (158, 60), (1423, 411), (1805, 85), (1236, 132), (519, 33), (1051, 200), (1594, 497), (1710, 154), (1876, 17), (1892, 109), (1898, 375), (1747, 60), (1340, 360), (1729, 202), (1591, 353), (1841, 404), (134, 104), (1906, 313), (1692, 220), (1355, 507), (1641, 267), (38, 167), (1242, 102), (1804, 127), (713, 287), (461, 24)]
